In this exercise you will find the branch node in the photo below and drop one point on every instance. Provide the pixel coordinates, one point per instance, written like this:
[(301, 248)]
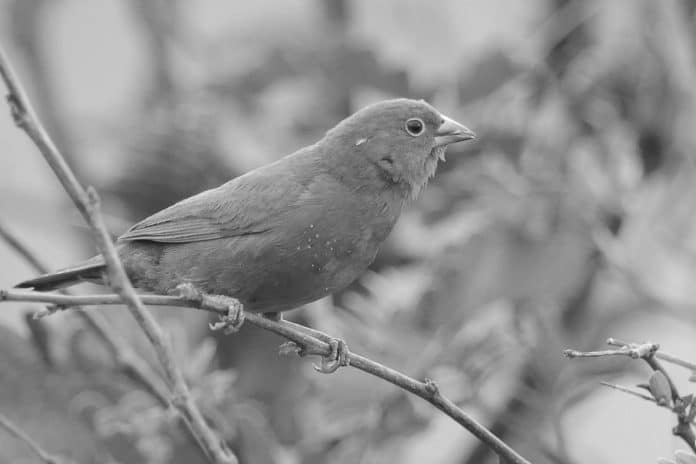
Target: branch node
[(178, 401), (93, 200), (17, 110), (644, 350), (431, 387)]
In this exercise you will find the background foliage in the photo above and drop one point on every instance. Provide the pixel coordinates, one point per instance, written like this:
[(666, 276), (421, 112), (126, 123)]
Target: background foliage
[(570, 220)]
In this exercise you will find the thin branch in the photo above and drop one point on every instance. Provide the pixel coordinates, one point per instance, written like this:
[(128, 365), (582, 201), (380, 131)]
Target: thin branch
[(675, 360), (45, 456), (683, 408), (597, 354), (648, 355), (631, 392), (87, 202), (16, 244), (427, 390)]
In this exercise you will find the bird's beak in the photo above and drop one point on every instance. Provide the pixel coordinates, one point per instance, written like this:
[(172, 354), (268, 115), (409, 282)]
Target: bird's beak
[(450, 131)]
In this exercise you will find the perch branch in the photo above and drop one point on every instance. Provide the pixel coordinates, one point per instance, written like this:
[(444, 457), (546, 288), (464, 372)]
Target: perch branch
[(45, 456), (427, 390), (87, 202)]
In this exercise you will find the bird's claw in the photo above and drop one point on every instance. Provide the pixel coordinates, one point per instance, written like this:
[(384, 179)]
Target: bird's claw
[(338, 357), (232, 321), (189, 292)]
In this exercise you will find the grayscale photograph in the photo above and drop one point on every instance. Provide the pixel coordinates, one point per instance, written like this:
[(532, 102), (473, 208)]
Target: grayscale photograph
[(347, 232)]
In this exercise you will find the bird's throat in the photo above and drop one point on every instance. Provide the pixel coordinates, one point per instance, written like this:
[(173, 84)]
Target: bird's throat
[(438, 153)]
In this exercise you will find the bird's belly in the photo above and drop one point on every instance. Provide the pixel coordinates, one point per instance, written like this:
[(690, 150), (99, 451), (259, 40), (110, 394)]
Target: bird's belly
[(266, 274), (313, 269)]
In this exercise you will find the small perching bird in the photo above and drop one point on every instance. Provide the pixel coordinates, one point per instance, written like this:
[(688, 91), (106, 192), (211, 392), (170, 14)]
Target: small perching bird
[(293, 231)]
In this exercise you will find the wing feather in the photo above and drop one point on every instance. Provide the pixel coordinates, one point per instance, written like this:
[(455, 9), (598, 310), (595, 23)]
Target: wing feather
[(250, 204)]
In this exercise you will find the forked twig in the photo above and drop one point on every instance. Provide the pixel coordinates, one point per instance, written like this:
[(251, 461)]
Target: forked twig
[(87, 202), (661, 386)]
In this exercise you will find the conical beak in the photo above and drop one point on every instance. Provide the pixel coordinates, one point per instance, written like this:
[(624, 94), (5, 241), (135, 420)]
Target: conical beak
[(450, 131)]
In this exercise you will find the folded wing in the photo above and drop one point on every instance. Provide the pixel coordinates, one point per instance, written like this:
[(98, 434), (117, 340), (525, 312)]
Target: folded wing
[(247, 205)]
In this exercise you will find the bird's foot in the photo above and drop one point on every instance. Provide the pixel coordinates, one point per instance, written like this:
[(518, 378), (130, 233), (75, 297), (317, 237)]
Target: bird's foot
[(338, 356), (229, 310), (188, 291), (232, 321)]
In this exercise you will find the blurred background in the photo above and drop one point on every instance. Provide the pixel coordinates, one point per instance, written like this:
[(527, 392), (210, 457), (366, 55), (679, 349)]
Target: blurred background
[(569, 220)]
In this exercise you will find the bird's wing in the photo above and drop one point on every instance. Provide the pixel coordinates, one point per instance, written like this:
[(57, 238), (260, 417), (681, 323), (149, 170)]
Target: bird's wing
[(250, 204)]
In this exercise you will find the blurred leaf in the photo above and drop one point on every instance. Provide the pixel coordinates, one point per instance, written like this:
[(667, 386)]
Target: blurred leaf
[(44, 403), (684, 457), (486, 75)]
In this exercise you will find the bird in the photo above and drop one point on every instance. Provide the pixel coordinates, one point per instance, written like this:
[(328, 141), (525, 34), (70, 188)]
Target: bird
[(293, 231)]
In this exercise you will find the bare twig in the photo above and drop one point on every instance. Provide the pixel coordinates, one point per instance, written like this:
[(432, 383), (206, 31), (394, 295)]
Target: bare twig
[(23, 27), (45, 456), (634, 351), (600, 354), (648, 355), (427, 390), (670, 358), (87, 202), (16, 244), (683, 408), (666, 357), (629, 391)]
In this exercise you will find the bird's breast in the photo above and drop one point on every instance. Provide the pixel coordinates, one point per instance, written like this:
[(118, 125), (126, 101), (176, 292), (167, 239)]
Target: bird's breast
[(326, 254)]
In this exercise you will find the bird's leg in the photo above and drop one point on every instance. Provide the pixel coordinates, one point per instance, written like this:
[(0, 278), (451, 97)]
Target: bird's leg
[(230, 322), (338, 356)]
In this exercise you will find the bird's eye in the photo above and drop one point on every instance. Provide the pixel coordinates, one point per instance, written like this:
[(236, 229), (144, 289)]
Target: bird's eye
[(414, 127)]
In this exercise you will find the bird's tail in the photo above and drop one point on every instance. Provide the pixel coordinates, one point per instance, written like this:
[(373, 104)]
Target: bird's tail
[(90, 270)]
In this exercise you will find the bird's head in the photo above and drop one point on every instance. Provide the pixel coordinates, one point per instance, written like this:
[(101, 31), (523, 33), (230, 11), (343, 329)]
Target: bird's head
[(398, 141)]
